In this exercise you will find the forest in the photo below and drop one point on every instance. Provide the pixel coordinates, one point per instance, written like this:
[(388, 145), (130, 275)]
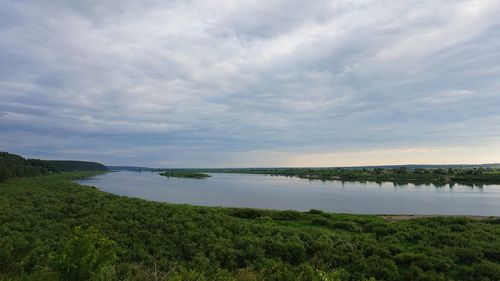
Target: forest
[(73, 166), (54, 229), (12, 165)]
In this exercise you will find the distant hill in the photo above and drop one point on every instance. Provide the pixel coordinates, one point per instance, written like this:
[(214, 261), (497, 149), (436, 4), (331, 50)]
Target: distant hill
[(13, 165), (70, 166), (129, 168)]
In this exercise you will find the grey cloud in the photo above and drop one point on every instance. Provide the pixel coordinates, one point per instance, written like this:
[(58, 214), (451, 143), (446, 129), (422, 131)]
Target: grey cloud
[(208, 82)]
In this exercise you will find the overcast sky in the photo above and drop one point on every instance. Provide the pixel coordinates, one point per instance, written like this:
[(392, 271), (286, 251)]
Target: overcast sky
[(251, 83)]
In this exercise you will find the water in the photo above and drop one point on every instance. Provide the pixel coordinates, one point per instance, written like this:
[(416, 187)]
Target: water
[(276, 192)]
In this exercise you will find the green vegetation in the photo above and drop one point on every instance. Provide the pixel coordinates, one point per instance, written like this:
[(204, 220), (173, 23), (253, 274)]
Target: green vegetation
[(53, 229), (12, 165), (76, 166), (183, 174), (399, 175)]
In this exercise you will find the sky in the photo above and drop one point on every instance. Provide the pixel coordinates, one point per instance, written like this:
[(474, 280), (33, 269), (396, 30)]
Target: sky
[(251, 83)]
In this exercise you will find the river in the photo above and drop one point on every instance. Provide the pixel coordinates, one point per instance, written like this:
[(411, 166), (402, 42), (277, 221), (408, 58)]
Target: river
[(278, 192)]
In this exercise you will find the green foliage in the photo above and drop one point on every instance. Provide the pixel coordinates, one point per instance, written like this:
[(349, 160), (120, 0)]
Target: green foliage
[(12, 165), (53, 229), (87, 255), (74, 166), (183, 174)]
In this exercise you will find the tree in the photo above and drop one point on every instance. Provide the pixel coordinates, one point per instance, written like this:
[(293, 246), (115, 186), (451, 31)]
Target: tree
[(402, 170), (86, 256), (4, 173)]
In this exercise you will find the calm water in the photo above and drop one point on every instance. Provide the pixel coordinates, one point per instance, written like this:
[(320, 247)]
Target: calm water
[(272, 192)]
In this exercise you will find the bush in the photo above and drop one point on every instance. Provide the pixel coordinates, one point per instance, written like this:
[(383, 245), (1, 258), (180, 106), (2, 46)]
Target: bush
[(247, 213), (316, 212), (287, 215), (346, 225), (87, 255), (320, 222)]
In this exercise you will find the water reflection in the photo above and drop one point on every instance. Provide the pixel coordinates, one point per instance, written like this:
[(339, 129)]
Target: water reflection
[(279, 192)]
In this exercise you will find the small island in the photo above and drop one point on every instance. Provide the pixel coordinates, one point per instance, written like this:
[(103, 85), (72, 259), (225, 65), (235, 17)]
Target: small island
[(184, 174)]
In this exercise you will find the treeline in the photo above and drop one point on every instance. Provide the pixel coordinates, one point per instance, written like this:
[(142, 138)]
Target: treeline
[(401, 175), (53, 229), (12, 165), (178, 173), (129, 168), (73, 166)]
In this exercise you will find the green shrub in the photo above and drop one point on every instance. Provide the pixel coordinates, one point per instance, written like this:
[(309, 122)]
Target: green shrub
[(87, 255)]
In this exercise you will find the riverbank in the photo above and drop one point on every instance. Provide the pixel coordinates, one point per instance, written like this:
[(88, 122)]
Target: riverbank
[(399, 176), (143, 239)]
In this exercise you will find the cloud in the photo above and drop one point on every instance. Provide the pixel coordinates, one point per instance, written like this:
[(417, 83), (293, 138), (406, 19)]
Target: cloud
[(185, 83)]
